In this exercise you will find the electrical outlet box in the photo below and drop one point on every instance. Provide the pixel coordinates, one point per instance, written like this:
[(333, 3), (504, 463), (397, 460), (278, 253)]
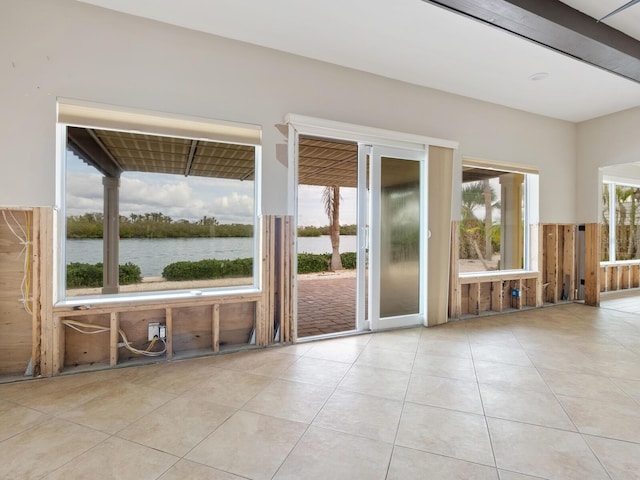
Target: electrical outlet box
[(154, 330), (163, 332)]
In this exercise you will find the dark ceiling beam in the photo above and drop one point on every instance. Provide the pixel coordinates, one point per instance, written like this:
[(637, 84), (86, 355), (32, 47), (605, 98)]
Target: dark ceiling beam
[(84, 143), (192, 153), (556, 25)]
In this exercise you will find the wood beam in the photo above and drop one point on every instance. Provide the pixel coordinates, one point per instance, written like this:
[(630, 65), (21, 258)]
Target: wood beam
[(555, 25)]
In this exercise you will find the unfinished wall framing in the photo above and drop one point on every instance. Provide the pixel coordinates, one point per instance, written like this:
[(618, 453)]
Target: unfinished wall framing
[(198, 325), (495, 292), (19, 329), (619, 276)]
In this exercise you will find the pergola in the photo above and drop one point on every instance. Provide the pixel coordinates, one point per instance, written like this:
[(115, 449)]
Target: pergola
[(112, 152)]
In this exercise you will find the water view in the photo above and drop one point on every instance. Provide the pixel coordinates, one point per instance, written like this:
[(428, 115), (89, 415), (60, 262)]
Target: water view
[(153, 254)]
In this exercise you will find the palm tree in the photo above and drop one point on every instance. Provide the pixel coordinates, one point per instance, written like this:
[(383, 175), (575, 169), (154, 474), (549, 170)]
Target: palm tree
[(331, 200), (474, 195)]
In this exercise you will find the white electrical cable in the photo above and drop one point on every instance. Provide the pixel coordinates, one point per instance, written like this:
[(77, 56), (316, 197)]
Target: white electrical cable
[(85, 327), (26, 243)]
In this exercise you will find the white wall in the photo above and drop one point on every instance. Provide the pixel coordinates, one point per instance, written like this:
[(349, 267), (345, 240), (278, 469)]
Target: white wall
[(609, 140), (66, 49)]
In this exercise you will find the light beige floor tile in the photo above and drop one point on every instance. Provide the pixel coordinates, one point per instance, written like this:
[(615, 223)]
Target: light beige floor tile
[(513, 376), (504, 475), (363, 415), (56, 395), (298, 349), (527, 406), (335, 350), (543, 452), (444, 366), (453, 332), (231, 388), (492, 336), (249, 445), (244, 361), (557, 357), (500, 354), (447, 348), (186, 470), (408, 464), (614, 420), (445, 432), (376, 381), (275, 365), (630, 387), (299, 402), (15, 419), (175, 378), (44, 448), (401, 340), (460, 395), (583, 385), (179, 425), (116, 459), (316, 371), (116, 409), (325, 454), (621, 459), (378, 357)]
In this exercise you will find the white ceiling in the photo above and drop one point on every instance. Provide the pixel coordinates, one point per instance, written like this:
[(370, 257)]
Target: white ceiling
[(419, 43)]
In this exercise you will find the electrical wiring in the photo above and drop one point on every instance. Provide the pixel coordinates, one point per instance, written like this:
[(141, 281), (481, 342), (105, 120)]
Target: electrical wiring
[(78, 326), (90, 329), (25, 241)]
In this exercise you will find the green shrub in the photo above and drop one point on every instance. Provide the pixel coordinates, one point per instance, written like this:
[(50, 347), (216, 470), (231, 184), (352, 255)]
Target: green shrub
[(129, 273), (348, 260), (313, 262), (208, 269), (84, 275)]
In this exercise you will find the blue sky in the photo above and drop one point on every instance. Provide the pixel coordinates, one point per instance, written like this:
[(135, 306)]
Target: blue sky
[(189, 198)]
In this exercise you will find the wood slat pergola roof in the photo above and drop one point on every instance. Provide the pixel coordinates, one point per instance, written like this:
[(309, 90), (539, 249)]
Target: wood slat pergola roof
[(321, 162)]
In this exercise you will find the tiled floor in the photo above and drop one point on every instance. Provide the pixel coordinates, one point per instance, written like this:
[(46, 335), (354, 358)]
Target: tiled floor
[(551, 393)]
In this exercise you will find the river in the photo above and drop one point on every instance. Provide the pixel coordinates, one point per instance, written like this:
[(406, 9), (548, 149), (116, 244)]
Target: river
[(153, 254)]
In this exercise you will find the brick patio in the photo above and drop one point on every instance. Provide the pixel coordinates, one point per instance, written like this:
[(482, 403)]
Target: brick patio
[(326, 303)]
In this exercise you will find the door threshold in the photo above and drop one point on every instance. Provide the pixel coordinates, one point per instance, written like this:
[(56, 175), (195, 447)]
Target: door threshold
[(327, 336)]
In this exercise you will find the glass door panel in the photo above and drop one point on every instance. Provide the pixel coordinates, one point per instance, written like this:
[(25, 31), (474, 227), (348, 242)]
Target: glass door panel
[(397, 239)]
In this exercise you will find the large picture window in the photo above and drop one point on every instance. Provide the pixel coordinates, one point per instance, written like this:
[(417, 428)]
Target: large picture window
[(620, 227), (498, 206), (147, 212)]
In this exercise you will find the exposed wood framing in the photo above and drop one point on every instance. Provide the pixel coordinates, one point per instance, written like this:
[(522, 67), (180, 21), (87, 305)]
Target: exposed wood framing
[(454, 272), (113, 338), (569, 262), (215, 330), (550, 264), (169, 325), (50, 330), (36, 310), (592, 264), (16, 323), (500, 291), (619, 276)]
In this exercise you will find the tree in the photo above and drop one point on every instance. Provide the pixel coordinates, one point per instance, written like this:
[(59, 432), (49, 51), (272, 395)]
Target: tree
[(472, 229), (331, 200)]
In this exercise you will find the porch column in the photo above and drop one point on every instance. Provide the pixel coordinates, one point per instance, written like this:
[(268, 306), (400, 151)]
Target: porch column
[(111, 235), (511, 221)]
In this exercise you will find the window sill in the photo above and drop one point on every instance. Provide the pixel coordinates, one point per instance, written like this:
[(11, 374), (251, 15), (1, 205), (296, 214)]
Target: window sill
[(162, 298)]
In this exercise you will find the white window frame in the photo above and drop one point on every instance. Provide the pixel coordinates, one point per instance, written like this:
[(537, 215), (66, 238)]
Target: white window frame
[(611, 184), (530, 217), (93, 115)]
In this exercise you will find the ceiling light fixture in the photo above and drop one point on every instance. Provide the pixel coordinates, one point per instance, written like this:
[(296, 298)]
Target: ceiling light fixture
[(536, 77)]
